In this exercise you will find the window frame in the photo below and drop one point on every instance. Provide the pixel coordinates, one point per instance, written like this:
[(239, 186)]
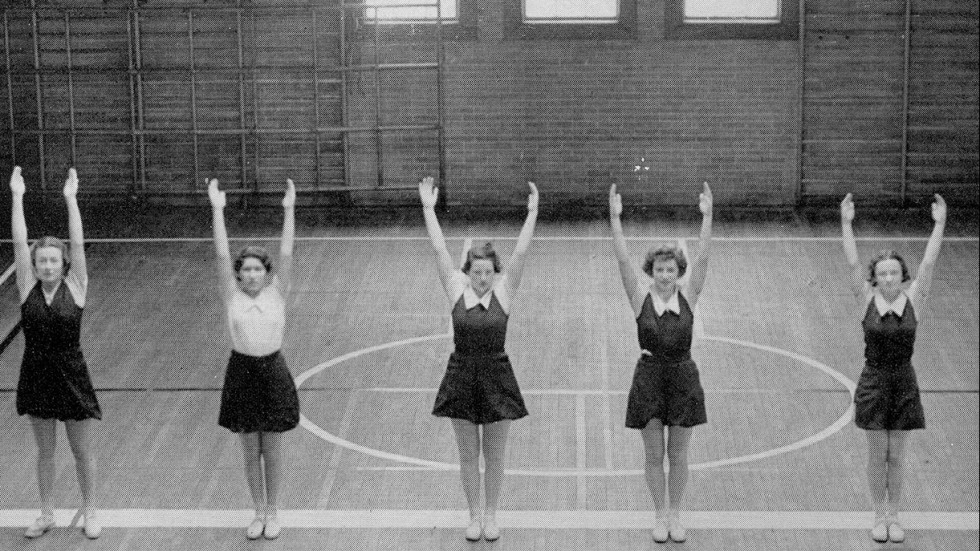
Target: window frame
[(788, 27), (515, 27), (464, 27)]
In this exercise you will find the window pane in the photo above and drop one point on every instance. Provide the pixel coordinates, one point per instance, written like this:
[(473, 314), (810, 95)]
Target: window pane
[(731, 11), (571, 10), (413, 13)]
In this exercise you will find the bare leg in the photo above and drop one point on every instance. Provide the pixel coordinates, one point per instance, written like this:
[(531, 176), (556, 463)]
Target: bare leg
[(47, 440), (468, 441), (494, 452), (252, 447), (877, 469), (274, 456), (677, 444), (80, 439), (896, 468), (653, 449)]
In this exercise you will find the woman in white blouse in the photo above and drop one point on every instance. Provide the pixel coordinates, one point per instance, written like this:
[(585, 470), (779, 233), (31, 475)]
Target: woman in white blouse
[(887, 404), (479, 392), (258, 400)]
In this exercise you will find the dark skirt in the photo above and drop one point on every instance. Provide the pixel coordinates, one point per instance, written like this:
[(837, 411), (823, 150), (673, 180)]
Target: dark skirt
[(56, 386), (670, 392), (259, 395), (887, 398), (479, 389)]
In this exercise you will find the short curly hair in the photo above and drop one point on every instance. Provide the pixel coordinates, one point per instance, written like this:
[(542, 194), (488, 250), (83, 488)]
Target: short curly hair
[(663, 253), (483, 252), (50, 241), (257, 253), (887, 254)]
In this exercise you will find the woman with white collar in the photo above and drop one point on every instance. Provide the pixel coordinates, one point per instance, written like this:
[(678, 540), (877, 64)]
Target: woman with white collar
[(479, 392), (258, 400), (54, 383), (887, 402), (666, 389)]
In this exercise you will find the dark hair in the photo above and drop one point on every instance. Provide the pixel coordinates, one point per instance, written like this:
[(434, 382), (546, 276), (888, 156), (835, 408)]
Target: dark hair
[(887, 254), (665, 252), (484, 252), (49, 241), (253, 252)]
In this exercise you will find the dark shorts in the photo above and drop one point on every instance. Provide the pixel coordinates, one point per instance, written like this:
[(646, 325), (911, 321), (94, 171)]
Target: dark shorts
[(259, 395), (479, 389), (887, 398), (670, 392), (56, 386)]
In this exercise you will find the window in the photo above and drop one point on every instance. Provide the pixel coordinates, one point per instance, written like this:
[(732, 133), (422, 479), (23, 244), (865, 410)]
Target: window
[(415, 11), (724, 19), (597, 19)]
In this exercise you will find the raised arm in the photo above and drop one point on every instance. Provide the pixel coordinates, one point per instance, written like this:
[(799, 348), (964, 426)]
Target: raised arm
[(699, 265), (626, 271), (288, 236), (226, 274), (18, 230), (923, 278), (444, 262), (859, 284), (75, 233), (515, 268)]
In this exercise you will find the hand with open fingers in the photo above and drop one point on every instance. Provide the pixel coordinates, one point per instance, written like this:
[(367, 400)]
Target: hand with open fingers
[(847, 209), (706, 200), (216, 196), (17, 186), (939, 209), (532, 198), (71, 184), (289, 201), (428, 192), (615, 202)]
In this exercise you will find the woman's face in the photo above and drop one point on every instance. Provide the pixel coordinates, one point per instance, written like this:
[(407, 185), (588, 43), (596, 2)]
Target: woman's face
[(481, 275), (252, 275), (665, 274), (888, 277), (49, 265)]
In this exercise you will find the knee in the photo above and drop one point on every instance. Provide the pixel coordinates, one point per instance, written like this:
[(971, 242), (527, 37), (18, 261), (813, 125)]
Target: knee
[(469, 456), (677, 458), (655, 458)]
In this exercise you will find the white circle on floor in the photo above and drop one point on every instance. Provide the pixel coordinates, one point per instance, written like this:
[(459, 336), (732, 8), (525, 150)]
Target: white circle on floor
[(426, 464)]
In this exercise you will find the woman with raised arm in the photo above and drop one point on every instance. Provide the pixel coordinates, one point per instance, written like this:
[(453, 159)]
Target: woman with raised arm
[(479, 392), (887, 402), (54, 382), (259, 400), (666, 390)]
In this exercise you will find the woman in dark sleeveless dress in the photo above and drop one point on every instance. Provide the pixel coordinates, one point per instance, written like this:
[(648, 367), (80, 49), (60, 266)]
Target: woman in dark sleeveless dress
[(258, 400), (666, 390), (54, 382), (887, 402), (479, 392)]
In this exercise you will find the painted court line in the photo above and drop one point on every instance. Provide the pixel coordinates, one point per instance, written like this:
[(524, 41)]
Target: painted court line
[(428, 519)]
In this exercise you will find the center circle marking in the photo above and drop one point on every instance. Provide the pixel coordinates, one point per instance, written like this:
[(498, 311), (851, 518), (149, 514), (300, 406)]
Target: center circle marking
[(427, 464)]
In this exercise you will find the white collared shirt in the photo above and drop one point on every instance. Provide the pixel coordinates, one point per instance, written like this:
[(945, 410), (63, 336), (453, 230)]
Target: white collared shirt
[(257, 324), (659, 306), (460, 287), (883, 306)]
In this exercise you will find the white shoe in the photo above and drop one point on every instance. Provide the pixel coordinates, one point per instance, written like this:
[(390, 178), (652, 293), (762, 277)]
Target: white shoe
[(255, 528), (475, 530), (660, 531), (896, 534), (879, 532), (272, 527), (677, 531), (491, 532), (41, 525), (92, 528)]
